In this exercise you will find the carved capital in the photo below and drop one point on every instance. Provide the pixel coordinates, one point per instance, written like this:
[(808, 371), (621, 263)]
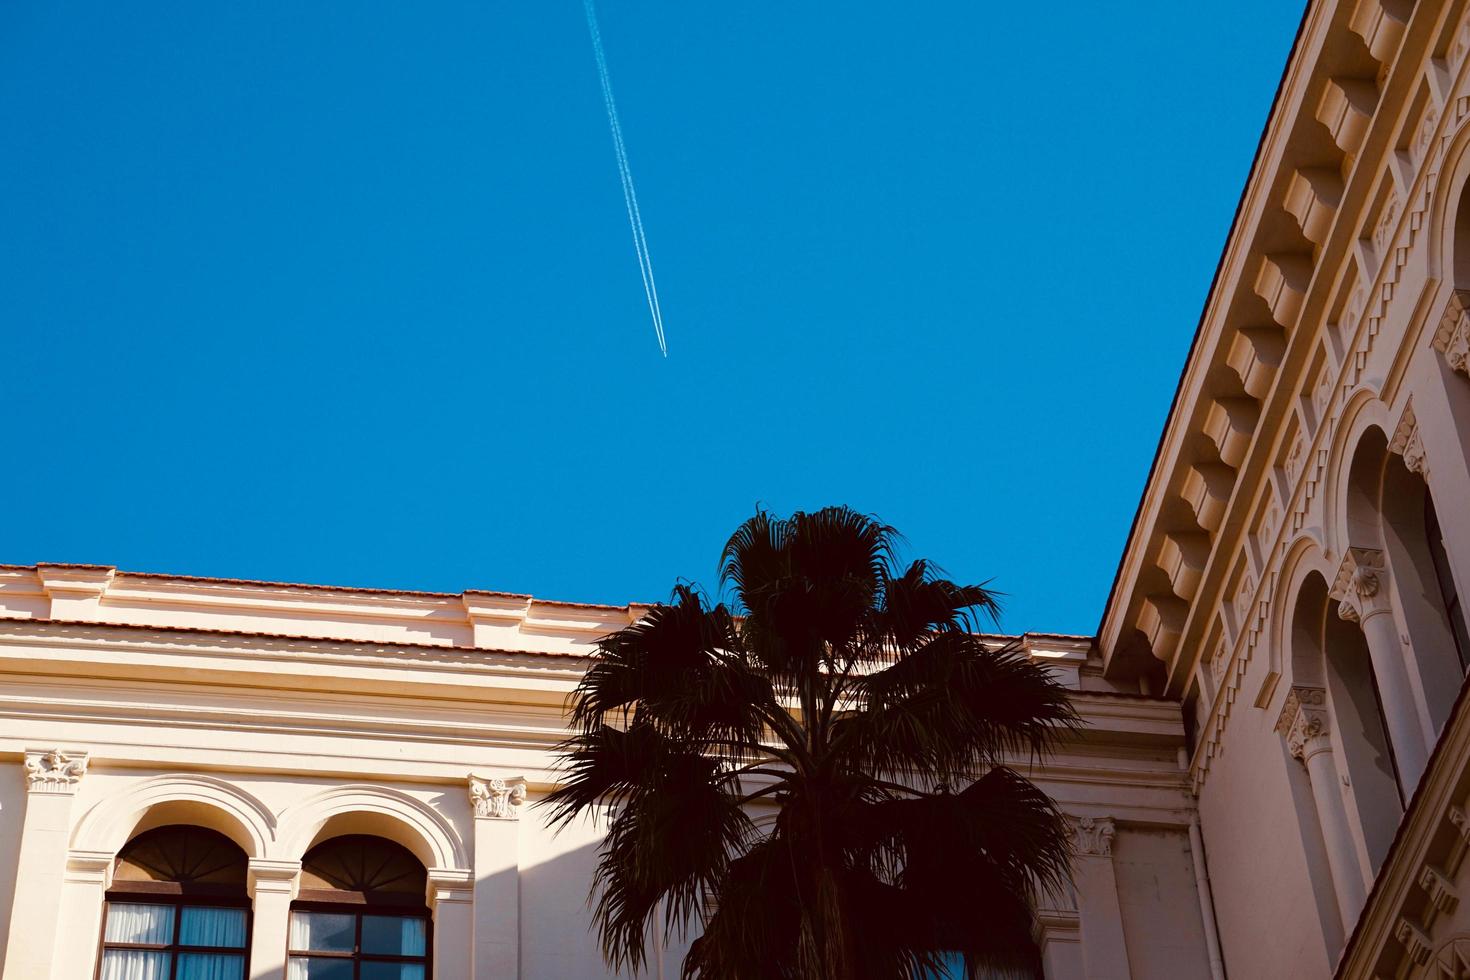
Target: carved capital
[(1093, 835), (1452, 338), (1304, 722), (54, 771), (497, 799), (1406, 442), (1360, 585)]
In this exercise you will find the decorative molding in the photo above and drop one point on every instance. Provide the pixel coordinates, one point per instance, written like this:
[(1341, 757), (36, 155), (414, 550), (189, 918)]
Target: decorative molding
[(1406, 442), (1093, 835), (1358, 587), (54, 771), (1452, 338), (1441, 890), (497, 799), (1304, 722)]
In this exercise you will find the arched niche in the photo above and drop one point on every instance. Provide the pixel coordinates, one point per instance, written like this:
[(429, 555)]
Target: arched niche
[(1331, 653)]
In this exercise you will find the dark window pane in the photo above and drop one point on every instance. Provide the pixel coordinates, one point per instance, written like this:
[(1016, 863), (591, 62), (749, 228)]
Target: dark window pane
[(318, 968), (392, 971), (393, 934)]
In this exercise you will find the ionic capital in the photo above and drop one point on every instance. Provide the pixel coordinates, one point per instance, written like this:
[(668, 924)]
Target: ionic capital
[(1361, 586), (54, 771), (497, 799), (1304, 722)]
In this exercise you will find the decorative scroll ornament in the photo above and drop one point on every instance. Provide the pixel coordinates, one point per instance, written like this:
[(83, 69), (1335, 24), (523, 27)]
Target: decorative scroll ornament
[(1093, 835), (1406, 443), (1358, 588), (497, 799), (1304, 721), (54, 771), (1452, 339)]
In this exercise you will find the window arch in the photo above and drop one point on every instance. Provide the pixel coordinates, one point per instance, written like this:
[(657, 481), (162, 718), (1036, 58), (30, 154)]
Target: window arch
[(177, 909), (360, 913)]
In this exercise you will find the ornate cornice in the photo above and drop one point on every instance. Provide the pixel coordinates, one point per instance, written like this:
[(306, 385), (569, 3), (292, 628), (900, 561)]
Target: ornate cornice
[(497, 799), (54, 771), (1359, 587), (1092, 835), (1305, 722)]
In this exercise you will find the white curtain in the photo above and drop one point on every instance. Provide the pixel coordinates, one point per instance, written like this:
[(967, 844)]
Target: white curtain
[(211, 966), (129, 923), (134, 964), (212, 927)]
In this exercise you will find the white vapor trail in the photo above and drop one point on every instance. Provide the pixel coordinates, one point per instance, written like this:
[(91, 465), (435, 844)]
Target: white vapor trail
[(630, 197)]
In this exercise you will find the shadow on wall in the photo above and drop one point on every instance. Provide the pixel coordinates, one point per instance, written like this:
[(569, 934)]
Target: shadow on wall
[(556, 936)]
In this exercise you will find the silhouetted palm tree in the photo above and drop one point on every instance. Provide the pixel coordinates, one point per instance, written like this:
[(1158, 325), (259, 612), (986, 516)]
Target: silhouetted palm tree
[(853, 700)]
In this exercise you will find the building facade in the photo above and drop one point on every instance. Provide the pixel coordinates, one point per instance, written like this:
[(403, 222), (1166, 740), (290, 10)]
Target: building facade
[(216, 778)]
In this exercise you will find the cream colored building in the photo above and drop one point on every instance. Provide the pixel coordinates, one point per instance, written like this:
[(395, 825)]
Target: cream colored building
[(215, 778)]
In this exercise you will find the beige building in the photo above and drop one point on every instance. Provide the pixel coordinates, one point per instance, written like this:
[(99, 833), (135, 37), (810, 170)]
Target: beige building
[(206, 778)]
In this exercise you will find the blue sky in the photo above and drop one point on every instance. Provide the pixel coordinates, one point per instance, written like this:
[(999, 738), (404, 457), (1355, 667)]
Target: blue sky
[(345, 293)]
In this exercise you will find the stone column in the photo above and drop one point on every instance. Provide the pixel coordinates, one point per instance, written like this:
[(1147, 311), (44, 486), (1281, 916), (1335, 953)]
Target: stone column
[(1361, 589), (1104, 949), (272, 886), (452, 899), (1304, 724), (497, 804), (52, 778)]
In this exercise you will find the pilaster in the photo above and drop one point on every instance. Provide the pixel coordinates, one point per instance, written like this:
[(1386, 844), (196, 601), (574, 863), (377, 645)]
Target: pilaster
[(1104, 948), (88, 876), (52, 779), (497, 804), (452, 899), (272, 884)]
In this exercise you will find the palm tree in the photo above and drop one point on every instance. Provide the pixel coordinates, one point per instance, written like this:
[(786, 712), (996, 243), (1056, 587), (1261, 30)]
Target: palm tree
[(854, 699)]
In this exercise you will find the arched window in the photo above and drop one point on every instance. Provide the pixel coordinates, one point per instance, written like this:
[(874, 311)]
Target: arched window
[(177, 909), (1447, 591), (360, 913)]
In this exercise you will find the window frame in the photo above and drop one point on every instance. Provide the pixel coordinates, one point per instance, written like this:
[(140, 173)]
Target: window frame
[(180, 900), (358, 909)]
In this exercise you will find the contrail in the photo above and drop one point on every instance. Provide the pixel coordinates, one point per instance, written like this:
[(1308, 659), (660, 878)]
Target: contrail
[(630, 197)]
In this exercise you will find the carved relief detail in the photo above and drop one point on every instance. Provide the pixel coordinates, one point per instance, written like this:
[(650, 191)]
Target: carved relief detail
[(1358, 587), (1304, 721), (1441, 890), (1415, 943), (1093, 835), (497, 799), (54, 771), (1452, 338), (1406, 442), (1452, 961)]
